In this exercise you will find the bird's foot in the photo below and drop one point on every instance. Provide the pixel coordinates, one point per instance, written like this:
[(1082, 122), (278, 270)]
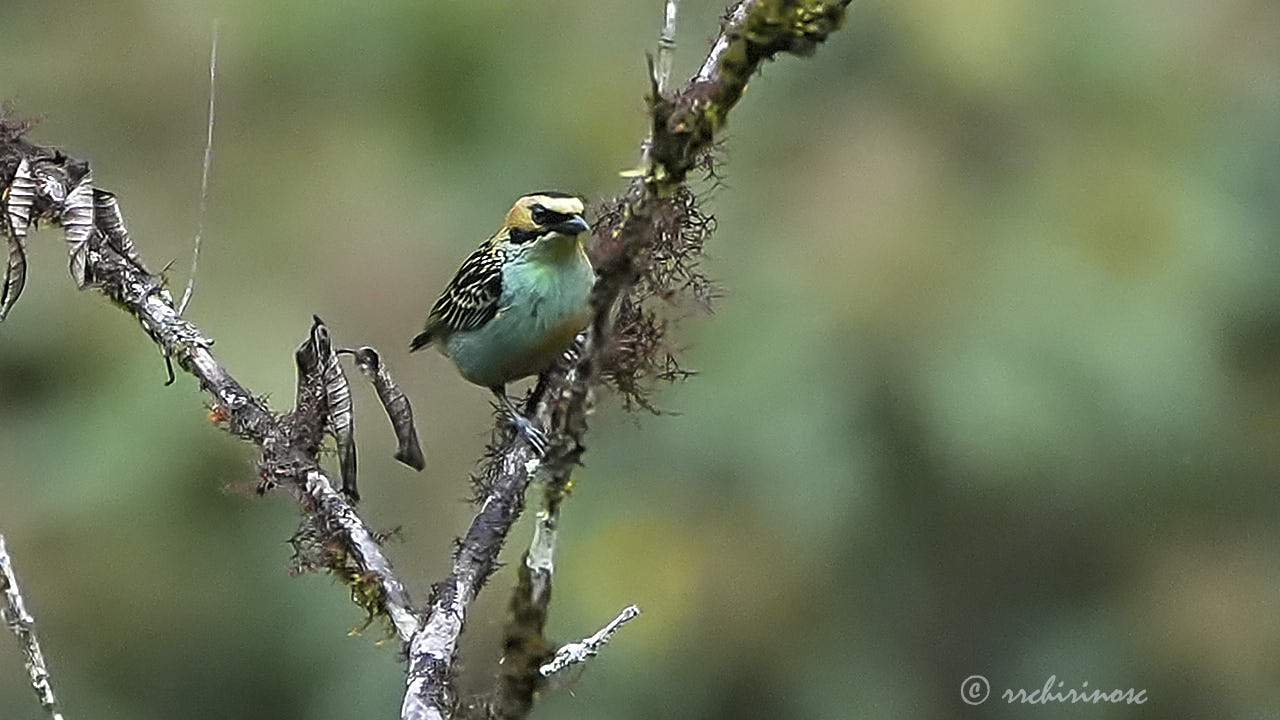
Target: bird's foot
[(573, 353), (536, 438)]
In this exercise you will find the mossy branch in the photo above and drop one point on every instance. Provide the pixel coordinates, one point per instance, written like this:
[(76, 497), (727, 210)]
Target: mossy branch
[(654, 207), (653, 226), (686, 123)]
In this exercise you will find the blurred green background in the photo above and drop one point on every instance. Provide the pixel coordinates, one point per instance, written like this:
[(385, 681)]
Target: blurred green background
[(995, 388)]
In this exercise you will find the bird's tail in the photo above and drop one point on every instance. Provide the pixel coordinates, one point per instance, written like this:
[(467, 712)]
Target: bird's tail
[(421, 340)]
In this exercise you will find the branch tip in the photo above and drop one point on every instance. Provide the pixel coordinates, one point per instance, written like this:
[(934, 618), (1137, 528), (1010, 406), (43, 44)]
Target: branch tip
[(579, 652)]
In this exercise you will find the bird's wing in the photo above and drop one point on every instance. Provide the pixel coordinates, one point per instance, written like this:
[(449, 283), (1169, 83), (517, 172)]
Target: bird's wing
[(470, 300)]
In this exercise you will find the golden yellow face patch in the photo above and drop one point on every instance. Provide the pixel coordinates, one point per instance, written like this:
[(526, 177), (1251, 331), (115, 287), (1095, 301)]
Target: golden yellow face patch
[(521, 214)]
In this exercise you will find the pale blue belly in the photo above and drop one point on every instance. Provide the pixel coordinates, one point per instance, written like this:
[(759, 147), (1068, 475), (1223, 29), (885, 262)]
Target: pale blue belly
[(541, 310)]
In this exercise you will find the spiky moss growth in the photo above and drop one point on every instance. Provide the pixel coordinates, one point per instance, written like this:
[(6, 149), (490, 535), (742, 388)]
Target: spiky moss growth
[(669, 284), (648, 244), (315, 550), (685, 125), (12, 130)]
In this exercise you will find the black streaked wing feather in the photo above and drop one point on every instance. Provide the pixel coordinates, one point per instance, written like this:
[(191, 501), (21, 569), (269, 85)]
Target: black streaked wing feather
[(471, 298)]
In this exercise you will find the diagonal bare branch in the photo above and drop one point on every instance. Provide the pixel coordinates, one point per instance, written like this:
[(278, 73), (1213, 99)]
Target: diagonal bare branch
[(21, 624), (289, 443)]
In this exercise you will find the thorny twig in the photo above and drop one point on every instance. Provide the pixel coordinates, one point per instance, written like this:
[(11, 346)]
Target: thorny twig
[(21, 624)]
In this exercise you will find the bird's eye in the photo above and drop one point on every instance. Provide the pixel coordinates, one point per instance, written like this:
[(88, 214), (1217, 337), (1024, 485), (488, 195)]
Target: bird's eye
[(540, 215), (520, 237)]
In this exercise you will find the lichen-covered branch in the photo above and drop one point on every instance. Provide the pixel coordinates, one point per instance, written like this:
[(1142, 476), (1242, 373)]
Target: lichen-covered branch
[(525, 646), (655, 205), (642, 248), (429, 689), (579, 652), (23, 626), (59, 190)]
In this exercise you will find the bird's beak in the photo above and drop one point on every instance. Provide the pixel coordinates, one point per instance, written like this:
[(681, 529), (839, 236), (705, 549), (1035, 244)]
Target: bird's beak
[(573, 226)]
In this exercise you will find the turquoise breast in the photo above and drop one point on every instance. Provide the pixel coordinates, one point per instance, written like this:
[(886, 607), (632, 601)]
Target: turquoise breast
[(545, 303)]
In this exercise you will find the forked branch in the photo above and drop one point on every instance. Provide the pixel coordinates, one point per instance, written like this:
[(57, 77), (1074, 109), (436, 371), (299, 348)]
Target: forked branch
[(684, 127), (39, 183)]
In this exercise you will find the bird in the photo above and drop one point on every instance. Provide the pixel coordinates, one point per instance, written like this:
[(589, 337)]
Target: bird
[(518, 301)]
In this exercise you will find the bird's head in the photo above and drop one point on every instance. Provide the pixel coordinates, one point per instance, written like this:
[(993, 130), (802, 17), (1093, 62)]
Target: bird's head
[(542, 214)]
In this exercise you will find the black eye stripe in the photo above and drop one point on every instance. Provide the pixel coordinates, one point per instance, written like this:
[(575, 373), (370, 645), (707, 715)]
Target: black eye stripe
[(519, 237), (543, 216)]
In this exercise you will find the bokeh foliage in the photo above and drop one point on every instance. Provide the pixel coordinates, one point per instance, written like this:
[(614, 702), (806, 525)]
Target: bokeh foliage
[(993, 388)]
